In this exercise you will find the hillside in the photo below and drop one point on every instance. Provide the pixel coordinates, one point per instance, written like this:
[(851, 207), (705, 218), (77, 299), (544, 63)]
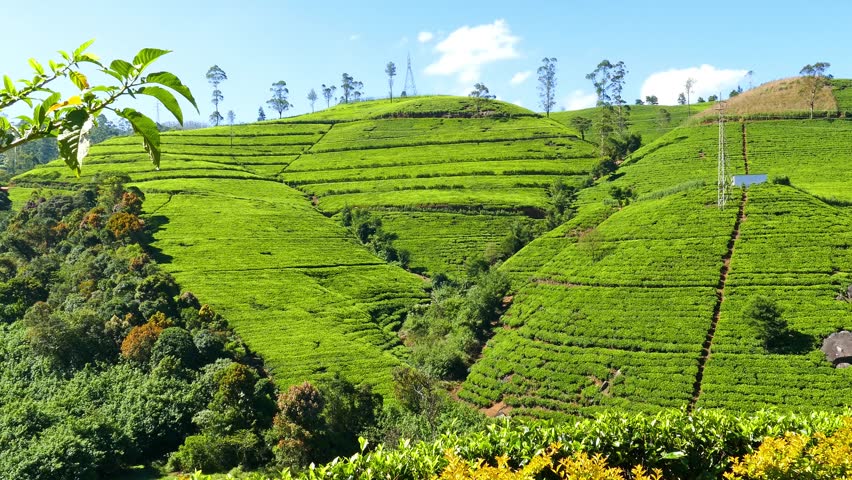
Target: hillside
[(296, 285), (644, 306), (640, 306), (646, 120)]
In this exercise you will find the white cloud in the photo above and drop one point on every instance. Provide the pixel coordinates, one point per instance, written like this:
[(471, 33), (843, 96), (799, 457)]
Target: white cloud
[(465, 51), (579, 99), (424, 37), (709, 80), (520, 77), (355, 36)]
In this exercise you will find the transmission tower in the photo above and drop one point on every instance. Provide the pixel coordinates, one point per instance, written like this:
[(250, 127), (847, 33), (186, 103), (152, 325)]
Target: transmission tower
[(410, 89), (723, 182)]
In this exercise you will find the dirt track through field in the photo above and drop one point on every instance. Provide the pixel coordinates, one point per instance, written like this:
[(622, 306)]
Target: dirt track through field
[(720, 288)]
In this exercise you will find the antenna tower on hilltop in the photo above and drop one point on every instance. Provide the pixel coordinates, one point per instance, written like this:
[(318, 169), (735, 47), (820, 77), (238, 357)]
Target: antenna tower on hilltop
[(410, 89), (723, 182)]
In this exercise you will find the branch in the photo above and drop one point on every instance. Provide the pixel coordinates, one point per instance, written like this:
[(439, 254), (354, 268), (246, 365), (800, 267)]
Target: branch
[(38, 86)]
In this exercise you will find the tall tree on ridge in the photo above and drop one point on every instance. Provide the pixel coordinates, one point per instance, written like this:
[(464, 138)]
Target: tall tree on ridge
[(814, 80), (215, 76), (279, 102), (390, 70), (328, 94), (231, 117), (351, 88), (547, 84), (312, 97), (608, 80), (689, 87), (261, 115)]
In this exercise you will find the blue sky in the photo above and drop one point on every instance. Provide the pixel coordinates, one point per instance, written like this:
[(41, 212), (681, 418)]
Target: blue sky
[(452, 44)]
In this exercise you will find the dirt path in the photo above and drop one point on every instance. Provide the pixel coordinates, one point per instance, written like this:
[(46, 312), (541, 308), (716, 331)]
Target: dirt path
[(720, 287)]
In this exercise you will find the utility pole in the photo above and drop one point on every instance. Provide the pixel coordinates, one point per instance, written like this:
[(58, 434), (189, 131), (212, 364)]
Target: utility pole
[(723, 180)]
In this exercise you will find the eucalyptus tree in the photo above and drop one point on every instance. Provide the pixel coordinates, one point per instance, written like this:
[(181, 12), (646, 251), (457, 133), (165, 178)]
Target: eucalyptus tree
[(328, 94), (390, 70), (279, 102), (547, 84), (216, 76), (312, 97)]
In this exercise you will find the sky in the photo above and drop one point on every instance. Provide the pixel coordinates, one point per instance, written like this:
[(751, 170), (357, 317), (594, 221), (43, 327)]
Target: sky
[(452, 44)]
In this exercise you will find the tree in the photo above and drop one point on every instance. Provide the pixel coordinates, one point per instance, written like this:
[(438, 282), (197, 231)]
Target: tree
[(765, 315), (814, 79), (608, 80), (664, 118), (328, 94), (479, 94), (639, 101), (279, 102), (215, 76), (582, 124), (390, 70), (70, 121), (652, 100), (681, 99), (351, 88), (690, 83), (312, 97), (622, 195), (547, 84), (713, 98), (700, 100), (231, 117), (750, 76), (261, 115)]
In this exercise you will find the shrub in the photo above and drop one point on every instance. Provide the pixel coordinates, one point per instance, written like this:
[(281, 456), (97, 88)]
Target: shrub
[(123, 224), (215, 453), (140, 341), (175, 342), (796, 456)]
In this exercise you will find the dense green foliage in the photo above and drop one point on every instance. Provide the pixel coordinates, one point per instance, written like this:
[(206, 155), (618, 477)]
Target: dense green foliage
[(102, 364), (682, 446)]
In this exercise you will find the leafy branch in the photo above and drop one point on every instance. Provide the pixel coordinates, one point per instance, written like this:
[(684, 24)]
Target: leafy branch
[(72, 119)]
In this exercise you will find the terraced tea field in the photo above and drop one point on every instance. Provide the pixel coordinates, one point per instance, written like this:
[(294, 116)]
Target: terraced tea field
[(476, 168), (618, 307), (644, 119), (638, 306), (297, 287)]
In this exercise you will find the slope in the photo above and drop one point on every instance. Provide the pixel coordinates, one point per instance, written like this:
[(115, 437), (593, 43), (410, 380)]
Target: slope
[(627, 307), (444, 175), (297, 288), (649, 121)]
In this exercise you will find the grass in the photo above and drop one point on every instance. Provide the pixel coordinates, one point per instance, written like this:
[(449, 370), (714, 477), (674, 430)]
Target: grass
[(778, 97)]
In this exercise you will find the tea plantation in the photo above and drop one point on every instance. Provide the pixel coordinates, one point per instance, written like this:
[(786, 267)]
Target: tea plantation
[(641, 305)]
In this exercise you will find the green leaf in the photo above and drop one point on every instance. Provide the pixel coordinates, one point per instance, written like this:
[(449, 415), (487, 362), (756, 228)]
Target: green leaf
[(167, 79), (79, 80), (167, 99), (145, 127), (82, 48), (65, 55), (148, 55), (36, 66), (54, 66), (73, 140), (121, 67), (10, 87)]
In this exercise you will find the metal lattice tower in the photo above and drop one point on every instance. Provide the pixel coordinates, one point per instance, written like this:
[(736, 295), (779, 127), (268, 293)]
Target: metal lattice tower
[(723, 181), (409, 89)]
